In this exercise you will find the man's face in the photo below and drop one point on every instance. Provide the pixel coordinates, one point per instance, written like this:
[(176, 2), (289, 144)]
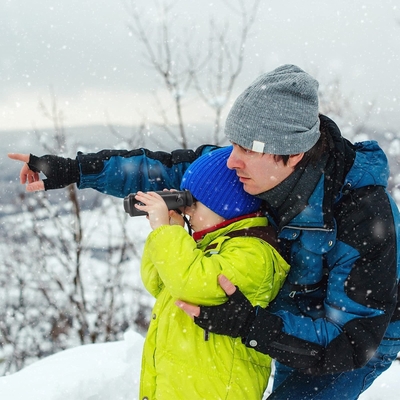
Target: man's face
[(258, 172)]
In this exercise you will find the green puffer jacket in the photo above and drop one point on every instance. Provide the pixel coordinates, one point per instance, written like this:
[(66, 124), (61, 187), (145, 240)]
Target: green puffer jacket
[(178, 363)]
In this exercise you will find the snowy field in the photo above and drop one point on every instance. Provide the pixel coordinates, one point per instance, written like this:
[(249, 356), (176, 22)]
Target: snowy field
[(111, 371)]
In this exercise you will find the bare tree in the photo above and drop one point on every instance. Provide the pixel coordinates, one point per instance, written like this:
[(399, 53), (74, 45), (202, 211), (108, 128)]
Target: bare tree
[(176, 58), (164, 57), (52, 297), (356, 125), (334, 102), (224, 62), (61, 283)]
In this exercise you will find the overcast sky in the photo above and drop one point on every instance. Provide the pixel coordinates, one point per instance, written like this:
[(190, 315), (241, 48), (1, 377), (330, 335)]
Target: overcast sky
[(83, 49)]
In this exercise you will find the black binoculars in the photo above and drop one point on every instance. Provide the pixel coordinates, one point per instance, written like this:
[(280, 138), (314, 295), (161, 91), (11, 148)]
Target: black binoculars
[(174, 201)]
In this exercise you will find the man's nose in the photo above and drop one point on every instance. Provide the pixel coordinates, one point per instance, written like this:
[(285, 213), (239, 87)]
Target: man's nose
[(234, 162)]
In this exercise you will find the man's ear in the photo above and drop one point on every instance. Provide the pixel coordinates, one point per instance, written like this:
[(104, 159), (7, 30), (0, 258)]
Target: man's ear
[(294, 159)]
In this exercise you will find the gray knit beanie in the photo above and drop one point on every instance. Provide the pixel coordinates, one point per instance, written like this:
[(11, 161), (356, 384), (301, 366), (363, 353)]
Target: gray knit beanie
[(277, 114)]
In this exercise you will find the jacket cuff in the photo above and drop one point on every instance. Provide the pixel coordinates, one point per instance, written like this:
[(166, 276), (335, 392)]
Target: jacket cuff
[(267, 337), (265, 328)]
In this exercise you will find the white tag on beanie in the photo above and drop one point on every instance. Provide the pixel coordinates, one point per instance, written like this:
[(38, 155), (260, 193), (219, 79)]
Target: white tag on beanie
[(258, 146)]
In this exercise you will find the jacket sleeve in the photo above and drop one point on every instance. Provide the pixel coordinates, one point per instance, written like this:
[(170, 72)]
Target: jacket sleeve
[(360, 299), (121, 172), (191, 275)]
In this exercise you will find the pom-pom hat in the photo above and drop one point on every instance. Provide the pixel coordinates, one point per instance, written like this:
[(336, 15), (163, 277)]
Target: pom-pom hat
[(212, 183)]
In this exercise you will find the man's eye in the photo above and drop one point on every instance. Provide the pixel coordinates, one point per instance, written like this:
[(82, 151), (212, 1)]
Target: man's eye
[(244, 150), (248, 151)]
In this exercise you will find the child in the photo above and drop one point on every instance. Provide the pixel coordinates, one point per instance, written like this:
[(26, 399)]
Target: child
[(180, 360)]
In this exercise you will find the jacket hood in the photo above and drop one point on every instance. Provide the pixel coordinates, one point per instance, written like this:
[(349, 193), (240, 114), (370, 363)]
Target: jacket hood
[(370, 166)]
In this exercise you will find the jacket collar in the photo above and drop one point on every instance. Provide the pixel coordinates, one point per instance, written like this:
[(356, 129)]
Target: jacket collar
[(311, 191), (200, 234), (291, 197)]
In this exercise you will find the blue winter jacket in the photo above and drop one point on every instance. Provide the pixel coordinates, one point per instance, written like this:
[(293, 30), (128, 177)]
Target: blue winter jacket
[(340, 300)]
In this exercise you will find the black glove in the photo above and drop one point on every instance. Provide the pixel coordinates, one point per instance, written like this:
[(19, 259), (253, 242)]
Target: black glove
[(233, 318), (60, 172)]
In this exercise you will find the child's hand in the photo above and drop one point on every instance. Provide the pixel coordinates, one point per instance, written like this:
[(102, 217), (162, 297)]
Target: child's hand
[(155, 207)]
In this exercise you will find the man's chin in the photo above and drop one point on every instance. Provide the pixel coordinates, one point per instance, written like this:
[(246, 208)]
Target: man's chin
[(249, 189)]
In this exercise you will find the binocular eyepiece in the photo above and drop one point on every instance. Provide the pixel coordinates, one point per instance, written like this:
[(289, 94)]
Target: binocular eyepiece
[(174, 201)]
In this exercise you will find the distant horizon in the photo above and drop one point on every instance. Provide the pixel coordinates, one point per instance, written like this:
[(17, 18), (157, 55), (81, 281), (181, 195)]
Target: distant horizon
[(384, 120)]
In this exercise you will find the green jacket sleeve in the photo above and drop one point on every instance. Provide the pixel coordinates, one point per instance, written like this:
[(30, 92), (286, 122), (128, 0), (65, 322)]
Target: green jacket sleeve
[(171, 256)]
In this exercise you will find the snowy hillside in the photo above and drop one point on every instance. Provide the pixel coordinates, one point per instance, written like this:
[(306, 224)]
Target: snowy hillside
[(111, 371)]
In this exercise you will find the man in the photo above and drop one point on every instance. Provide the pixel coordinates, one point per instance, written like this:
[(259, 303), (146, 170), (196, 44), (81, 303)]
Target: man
[(335, 324)]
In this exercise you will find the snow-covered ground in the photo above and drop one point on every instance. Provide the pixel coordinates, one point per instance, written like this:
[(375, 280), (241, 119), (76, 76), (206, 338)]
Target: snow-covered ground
[(111, 371)]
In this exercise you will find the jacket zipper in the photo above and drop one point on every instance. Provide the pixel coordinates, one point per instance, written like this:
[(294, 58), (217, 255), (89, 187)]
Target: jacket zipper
[(302, 228)]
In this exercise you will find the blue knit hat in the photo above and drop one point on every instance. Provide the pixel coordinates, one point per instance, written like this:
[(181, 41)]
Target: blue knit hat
[(216, 186)]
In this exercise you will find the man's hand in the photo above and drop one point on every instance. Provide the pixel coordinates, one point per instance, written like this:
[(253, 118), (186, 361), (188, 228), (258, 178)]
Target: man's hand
[(233, 318), (60, 172), (26, 175)]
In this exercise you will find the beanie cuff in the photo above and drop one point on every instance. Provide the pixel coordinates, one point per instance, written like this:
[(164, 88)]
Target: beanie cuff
[(282, 144)]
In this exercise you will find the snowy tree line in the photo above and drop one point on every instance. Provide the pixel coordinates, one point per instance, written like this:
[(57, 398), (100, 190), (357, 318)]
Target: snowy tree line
[(67, 282)]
